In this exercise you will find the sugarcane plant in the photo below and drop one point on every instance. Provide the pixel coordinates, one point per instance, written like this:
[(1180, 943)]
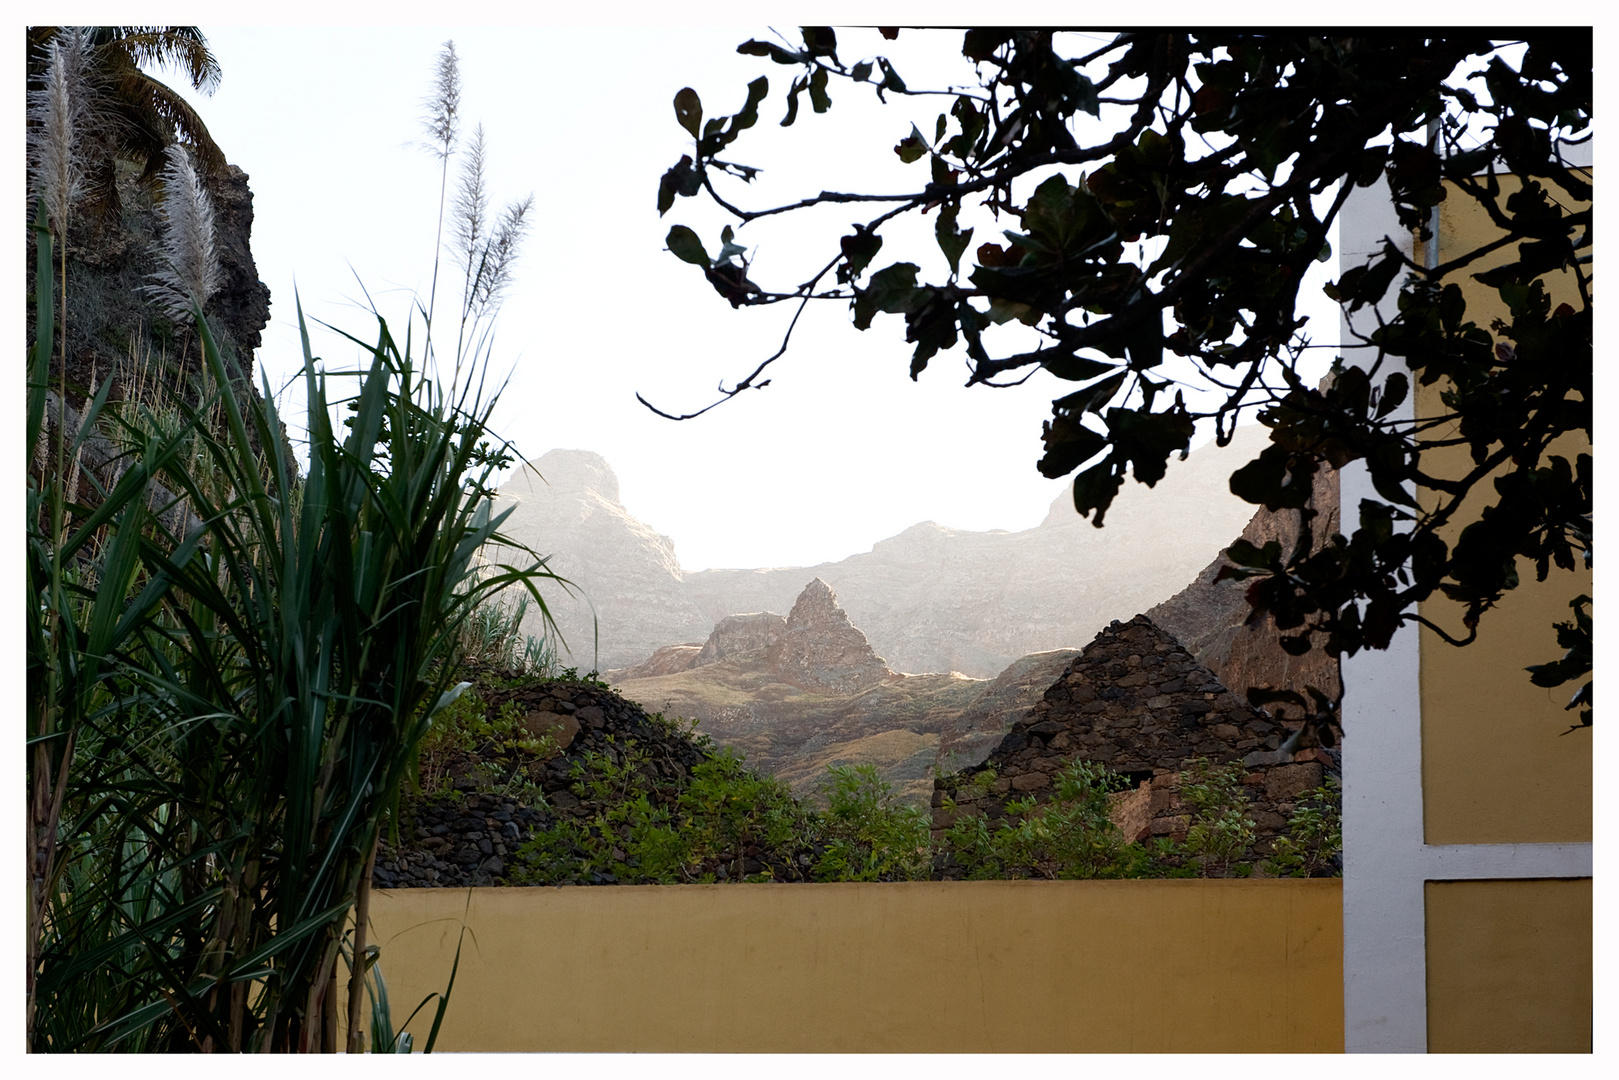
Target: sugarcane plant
[(230, 668)]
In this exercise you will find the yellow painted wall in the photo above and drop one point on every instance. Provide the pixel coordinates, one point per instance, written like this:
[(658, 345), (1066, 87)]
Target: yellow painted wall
[(1082, 966), (1497, 766), (1509, 966)]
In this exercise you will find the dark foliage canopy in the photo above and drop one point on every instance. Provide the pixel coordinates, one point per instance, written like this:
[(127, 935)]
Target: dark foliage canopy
[(1169, 191)]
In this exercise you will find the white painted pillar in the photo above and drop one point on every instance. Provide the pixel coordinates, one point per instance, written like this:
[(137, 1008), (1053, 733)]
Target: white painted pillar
[(1385, 970), (1386, 861)]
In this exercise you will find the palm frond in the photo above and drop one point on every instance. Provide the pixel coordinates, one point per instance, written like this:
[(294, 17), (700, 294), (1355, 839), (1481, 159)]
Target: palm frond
[(180, 47)]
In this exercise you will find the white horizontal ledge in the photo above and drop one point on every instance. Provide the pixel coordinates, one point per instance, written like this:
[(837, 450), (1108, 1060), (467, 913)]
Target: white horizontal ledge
[(1468, 862)]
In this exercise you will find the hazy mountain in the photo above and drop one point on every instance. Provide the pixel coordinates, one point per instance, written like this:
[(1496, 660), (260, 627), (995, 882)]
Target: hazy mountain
[(931, 599)]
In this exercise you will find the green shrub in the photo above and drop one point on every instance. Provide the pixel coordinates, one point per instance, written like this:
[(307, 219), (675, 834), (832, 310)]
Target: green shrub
[(868, 832), (221, 716), (466, 728), (1068, 836), (649, 833), (493, 637), (1314, 834), (1222, 829)]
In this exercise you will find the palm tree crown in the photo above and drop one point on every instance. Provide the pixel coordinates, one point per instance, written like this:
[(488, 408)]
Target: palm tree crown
[(142, 116)]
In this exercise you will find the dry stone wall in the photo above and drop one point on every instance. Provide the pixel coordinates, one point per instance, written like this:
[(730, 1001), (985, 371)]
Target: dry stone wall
[(1135, 701)]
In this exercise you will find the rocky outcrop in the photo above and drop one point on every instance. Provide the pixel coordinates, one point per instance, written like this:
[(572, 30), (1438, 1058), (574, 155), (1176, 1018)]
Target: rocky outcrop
[(733, 636), (798, 694), (820, 650), (1135, 701), (738, 635), (114, 332), (1213, 620)]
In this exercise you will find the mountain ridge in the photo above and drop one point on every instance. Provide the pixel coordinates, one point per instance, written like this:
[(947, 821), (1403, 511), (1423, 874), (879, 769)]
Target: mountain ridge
[(930, 598)]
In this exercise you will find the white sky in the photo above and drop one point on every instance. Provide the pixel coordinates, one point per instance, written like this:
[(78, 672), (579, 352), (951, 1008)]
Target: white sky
[(840, 451)]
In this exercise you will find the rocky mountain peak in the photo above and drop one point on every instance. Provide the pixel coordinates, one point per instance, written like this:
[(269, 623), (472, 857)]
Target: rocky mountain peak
[(821, 650), (569, 472), (817, 604)]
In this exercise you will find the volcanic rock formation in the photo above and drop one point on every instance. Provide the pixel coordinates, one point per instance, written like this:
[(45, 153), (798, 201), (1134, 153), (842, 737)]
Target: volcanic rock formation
[(735, 635), (798, 694), (113, 328)]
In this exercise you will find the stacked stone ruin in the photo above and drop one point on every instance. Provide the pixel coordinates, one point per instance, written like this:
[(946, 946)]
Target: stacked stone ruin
[(1135, 701)]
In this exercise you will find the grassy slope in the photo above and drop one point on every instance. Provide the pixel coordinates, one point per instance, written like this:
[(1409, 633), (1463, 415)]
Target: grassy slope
[(794, 734)]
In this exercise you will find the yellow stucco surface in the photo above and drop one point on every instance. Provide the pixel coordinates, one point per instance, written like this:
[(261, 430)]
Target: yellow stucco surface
[(1509, 966), (1081, 966), (1497, 765)]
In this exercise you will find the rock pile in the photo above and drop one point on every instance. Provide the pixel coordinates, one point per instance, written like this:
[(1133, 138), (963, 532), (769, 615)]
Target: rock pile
[(471, 835), (1135, 701)]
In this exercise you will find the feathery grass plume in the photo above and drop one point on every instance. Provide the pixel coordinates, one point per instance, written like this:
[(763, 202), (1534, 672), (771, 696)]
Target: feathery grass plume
[(443, 119), (495, 261), (190, 262), (484, 250), (471, 209), (57, 116), (443, 124)]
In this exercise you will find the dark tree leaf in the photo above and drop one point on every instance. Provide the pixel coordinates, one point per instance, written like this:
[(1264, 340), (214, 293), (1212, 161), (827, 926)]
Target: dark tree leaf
[(689, 110), (891, 289), (817, 91), (681, 179), (1148, 438), (858, 251), (1095, 488), (952, 241), (1093, 397), (1069, 444), (770, 49), (912, 146), (685, 245), (1073, 367)]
